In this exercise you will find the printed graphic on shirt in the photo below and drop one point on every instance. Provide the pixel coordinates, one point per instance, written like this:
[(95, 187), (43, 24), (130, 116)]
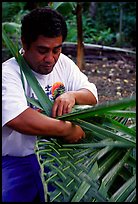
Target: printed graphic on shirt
[(52, 91), (48, 92), (57, 89)]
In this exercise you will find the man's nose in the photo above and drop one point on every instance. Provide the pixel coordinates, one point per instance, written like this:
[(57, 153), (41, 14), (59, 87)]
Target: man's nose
[(49, 57)]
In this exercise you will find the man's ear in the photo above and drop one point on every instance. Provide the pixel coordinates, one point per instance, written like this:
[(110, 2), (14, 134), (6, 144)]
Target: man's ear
[(23, 44)]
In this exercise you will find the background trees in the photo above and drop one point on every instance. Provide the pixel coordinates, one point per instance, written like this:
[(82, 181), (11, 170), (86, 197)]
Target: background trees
[(104, 23)]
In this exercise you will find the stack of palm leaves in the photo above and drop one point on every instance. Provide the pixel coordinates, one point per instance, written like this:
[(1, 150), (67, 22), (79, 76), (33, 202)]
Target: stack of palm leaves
[(99, 168)]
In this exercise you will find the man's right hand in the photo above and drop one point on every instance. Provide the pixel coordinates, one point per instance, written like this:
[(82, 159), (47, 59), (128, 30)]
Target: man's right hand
[(75, 134)]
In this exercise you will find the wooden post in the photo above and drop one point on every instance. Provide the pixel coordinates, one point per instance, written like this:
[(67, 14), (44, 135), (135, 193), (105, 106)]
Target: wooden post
[(80, 45)]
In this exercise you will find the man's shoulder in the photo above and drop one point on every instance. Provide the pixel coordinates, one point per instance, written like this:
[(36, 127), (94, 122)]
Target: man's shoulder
[(64, 57), (11, 61), (64, 60), (10, 66)]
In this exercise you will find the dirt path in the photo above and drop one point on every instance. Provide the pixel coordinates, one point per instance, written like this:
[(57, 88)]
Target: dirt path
[(114, 79)]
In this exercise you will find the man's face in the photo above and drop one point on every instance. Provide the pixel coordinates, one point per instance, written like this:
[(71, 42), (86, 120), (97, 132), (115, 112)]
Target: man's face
[(43, 53)]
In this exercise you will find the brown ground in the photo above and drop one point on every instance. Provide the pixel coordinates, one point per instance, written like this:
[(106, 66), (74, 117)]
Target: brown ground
[(114, 79)]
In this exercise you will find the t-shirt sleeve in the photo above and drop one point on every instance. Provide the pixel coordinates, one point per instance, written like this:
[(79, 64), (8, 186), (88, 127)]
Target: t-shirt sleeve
[(78, 80), (13, 98)]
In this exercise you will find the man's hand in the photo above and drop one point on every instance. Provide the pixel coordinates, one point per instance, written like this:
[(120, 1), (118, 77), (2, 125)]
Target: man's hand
[(63, 104), (75, 135)]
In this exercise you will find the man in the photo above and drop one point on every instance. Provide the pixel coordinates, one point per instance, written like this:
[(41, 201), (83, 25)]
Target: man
[(42, 33)]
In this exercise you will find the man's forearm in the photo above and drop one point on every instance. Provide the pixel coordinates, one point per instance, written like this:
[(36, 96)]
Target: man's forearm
[(32, 122), (84, 97)]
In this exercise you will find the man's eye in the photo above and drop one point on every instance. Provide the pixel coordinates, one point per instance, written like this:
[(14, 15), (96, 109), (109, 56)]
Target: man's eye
[(56, 50), (42, 51)]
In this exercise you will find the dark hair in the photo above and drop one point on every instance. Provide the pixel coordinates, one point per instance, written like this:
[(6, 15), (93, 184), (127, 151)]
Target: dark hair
[(42, 21)]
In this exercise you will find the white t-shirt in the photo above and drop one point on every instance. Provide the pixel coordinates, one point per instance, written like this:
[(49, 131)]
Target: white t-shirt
[(14, 101)]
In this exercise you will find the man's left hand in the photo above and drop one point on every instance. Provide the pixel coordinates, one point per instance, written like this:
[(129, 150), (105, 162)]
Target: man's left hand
[(63, 104)]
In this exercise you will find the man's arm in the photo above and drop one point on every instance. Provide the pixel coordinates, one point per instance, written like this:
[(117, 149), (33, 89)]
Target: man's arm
[(31, 122), (83, 97), (64, 103)]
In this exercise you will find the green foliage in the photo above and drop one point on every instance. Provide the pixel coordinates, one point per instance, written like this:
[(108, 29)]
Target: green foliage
[(13, 31), (11, 16), (94, 36), (95, 29), (10, 10), (12, 28), (63, 7), (105, 32), (72, 29), (110, 12), (66, 9)]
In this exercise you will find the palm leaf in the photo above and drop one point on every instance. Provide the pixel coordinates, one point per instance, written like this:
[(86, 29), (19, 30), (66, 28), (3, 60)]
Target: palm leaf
[(100, 109), (126, 191)]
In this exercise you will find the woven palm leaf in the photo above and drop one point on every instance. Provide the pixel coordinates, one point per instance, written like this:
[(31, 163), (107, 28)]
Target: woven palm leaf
[(101, 167)]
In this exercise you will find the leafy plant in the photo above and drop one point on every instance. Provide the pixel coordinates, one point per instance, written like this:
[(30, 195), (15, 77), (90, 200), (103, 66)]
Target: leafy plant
[(9, 11), (95, 29), (99, 168)]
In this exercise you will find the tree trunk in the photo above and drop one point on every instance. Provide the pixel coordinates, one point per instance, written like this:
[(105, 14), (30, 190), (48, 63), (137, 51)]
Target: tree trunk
[(80, 46)]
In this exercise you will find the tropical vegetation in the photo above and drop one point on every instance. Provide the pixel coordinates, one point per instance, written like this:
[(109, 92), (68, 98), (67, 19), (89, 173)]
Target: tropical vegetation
[(117, 29)]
